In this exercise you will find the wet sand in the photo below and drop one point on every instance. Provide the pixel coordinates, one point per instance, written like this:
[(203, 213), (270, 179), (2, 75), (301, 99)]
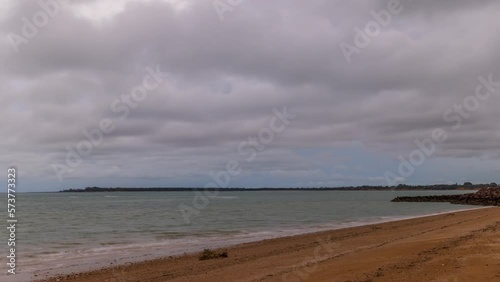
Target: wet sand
[(459, 246)]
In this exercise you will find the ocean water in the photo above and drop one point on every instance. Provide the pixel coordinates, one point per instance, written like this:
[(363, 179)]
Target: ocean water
[(62, 232)]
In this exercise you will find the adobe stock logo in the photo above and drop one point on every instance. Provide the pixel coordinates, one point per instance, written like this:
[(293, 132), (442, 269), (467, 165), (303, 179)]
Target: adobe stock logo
[(95, 137), (31, 27), (223, 6), (454, 116), (363, 37), (249, 149)]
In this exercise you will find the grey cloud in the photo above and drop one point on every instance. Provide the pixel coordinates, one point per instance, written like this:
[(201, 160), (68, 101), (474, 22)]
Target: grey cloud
[(226, 77)]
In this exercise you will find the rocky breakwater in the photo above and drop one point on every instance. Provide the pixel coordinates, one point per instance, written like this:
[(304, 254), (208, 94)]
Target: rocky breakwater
[(483, 197)]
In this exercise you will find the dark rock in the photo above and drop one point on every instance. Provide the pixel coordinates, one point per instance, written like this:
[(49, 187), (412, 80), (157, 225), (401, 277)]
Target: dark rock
[(483, 197)]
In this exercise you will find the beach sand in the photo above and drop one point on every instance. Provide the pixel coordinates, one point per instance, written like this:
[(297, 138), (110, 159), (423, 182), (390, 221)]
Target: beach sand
[(459, 246)]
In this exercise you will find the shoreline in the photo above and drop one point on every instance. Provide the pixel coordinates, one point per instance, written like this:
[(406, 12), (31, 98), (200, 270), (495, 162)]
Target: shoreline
[(131, 253), (185, 260)]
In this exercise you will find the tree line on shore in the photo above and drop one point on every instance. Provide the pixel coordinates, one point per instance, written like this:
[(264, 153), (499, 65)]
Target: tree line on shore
[(400, 187)]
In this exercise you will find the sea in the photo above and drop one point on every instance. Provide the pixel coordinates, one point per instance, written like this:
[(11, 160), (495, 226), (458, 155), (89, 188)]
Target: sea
[(58, 233)]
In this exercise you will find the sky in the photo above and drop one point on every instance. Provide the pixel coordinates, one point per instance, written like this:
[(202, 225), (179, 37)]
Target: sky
[(249, 93)]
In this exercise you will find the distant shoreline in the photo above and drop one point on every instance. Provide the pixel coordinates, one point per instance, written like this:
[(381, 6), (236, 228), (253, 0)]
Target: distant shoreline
[(357, 188), (100, 190)]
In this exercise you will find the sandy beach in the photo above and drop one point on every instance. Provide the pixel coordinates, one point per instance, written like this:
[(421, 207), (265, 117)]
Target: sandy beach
[(459, 246)]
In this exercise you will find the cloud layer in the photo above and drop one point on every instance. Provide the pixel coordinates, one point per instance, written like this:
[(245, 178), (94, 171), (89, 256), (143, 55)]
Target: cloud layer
[(226, 77)]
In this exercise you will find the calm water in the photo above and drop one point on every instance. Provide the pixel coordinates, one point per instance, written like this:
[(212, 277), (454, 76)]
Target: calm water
[(67, 230)]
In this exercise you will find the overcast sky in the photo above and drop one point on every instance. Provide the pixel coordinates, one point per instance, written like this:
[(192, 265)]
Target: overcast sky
[(222, 73)]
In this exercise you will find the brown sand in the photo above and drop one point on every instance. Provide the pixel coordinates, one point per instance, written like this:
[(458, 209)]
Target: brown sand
[(460, 246)]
